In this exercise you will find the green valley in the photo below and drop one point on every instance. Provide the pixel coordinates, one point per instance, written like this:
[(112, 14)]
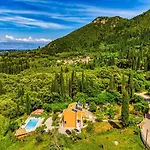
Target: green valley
[(101, 65)]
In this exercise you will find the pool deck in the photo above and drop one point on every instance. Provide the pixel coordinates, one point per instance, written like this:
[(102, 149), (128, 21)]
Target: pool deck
[(40, 120), (48, 124)]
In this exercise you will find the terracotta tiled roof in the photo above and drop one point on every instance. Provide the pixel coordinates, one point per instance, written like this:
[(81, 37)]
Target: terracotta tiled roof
[(37, 112)]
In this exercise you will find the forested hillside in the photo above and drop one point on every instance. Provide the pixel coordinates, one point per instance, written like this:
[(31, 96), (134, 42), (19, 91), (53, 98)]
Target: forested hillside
[(113, 33)]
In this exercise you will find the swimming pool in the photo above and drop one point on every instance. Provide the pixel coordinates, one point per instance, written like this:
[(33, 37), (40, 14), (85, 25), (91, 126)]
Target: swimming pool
[(30, 126)]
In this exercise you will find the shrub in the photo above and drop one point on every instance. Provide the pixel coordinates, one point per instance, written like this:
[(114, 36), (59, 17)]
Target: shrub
[(39, 139), (134, 120), (136, 130), (54, 117), (136, 99), (90, 127), (13, 125), (47, 107), (141, 106), (80, 136), (99, 116), (55, 120), (41, 129), (92, 107), (81, 97), (111, 112)]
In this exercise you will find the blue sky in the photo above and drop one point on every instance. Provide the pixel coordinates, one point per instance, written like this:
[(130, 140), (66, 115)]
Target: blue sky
[(27, 24)]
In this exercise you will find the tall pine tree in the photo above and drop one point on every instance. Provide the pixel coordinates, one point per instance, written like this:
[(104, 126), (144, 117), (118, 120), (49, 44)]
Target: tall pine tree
[(28, 104), (111, 84), (73, 85), (2, 91), (125, 108), (54, 84), (62, 84), (123, 83), (82, 82), (131, 85)]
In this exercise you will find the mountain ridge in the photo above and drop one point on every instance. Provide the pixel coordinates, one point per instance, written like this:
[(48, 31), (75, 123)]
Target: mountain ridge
[(110, 31)]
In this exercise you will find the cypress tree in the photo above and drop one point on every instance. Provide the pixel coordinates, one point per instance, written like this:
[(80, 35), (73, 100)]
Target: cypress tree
[(123, 83), (2, 91), (62, 86), (112, 85), (28, 105), (51, 88), (32, 87), (69, 87), (21, 100), (35, 88), (18, 109), (145, 65), (125, 108), (138, 63), (20, 91), (54, 86), (141, 53), (82, 82), (66, 69), (73, 84), (131, 85)]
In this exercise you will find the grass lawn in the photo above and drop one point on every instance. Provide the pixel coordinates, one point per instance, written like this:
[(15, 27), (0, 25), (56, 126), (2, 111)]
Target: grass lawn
[(103, 134), (126, 138), (29, 143), (102, 126)]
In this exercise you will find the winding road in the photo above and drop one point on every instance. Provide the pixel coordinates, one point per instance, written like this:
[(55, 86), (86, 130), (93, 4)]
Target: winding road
[(146, 122)]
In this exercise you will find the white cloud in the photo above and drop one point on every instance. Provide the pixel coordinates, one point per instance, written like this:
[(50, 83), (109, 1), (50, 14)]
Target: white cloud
[(9, 37), (76, 13), (98, 11), (73, 19), (64, 17), (89, 10), (29, 39), (18, 20), (14, 11)]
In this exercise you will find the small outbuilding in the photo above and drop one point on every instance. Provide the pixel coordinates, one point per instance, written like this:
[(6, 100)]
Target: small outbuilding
[(20, 133)]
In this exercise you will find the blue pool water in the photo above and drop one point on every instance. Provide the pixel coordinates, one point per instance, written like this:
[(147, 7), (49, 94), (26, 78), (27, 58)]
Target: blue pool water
[(31, 124)]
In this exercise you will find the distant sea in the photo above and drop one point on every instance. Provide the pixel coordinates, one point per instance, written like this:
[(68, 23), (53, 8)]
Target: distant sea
[(19, 46)]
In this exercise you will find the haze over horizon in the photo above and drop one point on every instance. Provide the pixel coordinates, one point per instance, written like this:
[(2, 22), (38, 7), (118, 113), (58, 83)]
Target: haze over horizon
[(27, 24)]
